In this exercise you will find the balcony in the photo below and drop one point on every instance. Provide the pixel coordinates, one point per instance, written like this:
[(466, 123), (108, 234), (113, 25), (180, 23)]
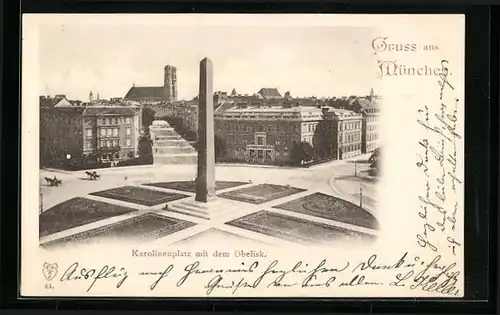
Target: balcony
[(107, 149)]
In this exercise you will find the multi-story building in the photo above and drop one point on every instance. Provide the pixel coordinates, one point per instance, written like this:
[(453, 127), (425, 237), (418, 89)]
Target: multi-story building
[(153, 94), (343, 131), (83, 132), (370, 133), (369, 108), (265, 134), (111, 132), (61, 133)]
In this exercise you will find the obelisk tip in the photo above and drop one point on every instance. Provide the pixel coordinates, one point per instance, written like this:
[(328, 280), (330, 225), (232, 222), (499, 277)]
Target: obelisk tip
[(206, 61)]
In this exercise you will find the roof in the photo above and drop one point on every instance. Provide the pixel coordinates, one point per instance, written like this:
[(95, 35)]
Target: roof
[(112, 110), (70, 110), (269, 92), (138, 92), (343, 112), (50, 101), (301, 109)]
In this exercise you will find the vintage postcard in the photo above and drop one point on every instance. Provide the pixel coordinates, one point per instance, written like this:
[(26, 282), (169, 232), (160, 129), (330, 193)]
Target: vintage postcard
[(242, 155)]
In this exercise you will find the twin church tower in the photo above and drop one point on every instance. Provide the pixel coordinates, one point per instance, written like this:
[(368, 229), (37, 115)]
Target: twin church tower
[(170, 83), (167, 92)]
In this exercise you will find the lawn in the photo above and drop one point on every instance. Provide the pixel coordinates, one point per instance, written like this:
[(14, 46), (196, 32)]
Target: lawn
[(294, 229), (190, 186), (146, 227), (261, 193), (76, 212), (139, 195), (331, 208)]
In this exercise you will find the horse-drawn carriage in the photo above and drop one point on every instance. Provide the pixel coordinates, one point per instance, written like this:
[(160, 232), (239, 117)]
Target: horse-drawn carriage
[(93, 175), (53, 181)]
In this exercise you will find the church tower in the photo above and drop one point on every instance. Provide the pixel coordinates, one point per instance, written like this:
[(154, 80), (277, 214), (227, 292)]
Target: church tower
[(170, 84)]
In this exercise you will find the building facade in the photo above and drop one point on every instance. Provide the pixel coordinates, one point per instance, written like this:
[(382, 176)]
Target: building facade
[(370, 136), (88, 133), (345, 131), (61, 131), (111, 133), (265, 135)]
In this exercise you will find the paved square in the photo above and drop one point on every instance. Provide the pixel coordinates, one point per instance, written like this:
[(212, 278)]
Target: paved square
[(332, 208), (147, 227), (190, 186), (294, 229), (139, 195), (76, 212), (261, 193)]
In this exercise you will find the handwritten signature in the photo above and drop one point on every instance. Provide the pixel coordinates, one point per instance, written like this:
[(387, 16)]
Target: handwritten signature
[(432, 278)]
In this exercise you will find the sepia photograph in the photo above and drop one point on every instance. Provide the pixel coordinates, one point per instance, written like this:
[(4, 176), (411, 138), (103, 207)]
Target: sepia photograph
[(242, 155), (192, 140)]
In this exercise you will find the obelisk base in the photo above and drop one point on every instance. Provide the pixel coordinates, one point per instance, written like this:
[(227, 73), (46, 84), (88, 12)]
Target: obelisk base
[(209, 210)]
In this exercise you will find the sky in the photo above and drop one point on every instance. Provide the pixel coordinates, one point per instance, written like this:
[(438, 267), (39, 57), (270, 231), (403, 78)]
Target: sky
[(321, 61)]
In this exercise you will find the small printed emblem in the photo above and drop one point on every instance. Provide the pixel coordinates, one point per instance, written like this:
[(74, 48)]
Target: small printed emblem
[(49, 271)]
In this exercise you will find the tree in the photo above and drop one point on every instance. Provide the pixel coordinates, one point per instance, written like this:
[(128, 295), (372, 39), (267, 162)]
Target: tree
[(145, 146), (220, 148), (302, 151), (148, 116), (375, 162)]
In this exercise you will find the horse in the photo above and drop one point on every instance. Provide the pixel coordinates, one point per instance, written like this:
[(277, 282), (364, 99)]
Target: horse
[(53, 181), (93, 175)]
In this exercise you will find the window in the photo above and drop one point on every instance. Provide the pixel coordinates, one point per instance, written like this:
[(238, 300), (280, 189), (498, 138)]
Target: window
[(261, 128), (128, 131), (109, 132), (101, 144), (115, 132), (104, 121), (278, 128), (108, 143), (103, 132), (128, 143), (127, 120), (260, 140), (89, 132), (88, 144)]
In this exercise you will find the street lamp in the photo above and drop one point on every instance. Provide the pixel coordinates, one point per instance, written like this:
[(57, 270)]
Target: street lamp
[(41, 203), (360, 196)]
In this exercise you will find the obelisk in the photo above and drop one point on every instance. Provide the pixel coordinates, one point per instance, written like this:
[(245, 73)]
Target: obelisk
[(205, 180)]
